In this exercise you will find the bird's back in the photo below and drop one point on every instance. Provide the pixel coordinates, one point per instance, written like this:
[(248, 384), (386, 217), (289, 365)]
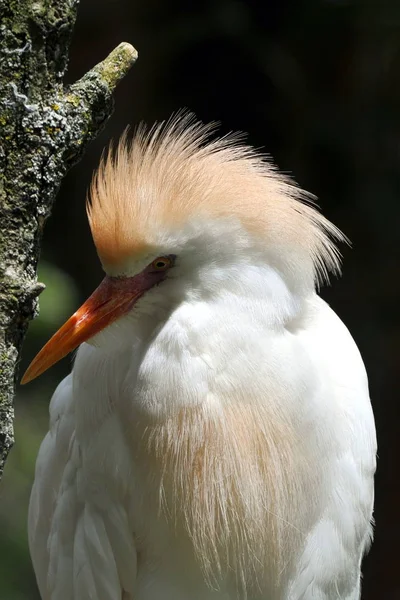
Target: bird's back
[(107, 517), (329, 565)]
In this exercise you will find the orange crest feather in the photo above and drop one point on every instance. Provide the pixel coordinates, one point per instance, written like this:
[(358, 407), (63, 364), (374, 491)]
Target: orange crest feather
[(173, 172)]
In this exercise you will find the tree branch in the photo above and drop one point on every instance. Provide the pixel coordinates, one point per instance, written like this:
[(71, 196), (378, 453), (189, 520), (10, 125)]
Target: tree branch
[(44, 129)]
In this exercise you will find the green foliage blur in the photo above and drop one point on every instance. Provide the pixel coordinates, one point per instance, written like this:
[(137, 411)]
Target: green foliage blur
[(315, 83)]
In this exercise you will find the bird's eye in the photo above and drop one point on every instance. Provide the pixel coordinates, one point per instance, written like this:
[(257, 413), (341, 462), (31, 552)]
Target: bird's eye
[(162, 263)]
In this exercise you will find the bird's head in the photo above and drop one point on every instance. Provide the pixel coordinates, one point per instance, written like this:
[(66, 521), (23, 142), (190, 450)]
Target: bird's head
[(175, 216)]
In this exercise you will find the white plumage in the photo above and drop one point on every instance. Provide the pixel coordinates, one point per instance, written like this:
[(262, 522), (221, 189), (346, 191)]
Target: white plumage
[(216, 440)]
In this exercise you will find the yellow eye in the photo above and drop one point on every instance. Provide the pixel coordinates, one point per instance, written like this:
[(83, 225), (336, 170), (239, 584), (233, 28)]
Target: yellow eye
[(162, 263)]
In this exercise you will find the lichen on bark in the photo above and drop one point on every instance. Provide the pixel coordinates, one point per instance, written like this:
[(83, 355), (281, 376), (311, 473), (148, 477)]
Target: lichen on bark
[(44, 129)]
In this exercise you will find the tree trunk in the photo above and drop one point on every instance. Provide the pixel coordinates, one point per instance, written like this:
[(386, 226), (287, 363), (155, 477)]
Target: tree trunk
[(44, 129)]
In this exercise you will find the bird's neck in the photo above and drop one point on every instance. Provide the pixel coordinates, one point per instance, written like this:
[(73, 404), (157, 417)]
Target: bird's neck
[(160, 360)]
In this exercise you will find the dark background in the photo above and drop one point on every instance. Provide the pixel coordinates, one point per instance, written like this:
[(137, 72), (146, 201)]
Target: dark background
[(316, 84)]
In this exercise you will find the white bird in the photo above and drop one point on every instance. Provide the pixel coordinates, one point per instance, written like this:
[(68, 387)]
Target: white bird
[(215, 439)]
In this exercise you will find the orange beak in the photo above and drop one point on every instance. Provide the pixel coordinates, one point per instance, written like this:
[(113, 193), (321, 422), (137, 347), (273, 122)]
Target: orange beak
[(114, 297)]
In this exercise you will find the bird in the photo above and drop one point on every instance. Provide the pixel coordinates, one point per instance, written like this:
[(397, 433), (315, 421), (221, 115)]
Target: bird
[(215, 438)]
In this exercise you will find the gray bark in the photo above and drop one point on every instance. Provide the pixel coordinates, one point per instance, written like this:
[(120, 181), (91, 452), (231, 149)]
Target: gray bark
[(44, 129)]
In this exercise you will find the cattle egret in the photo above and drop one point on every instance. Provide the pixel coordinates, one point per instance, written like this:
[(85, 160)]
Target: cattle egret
[(215, 439)]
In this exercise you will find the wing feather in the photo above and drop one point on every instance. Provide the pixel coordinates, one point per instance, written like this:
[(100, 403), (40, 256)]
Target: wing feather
[(80, 541)]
